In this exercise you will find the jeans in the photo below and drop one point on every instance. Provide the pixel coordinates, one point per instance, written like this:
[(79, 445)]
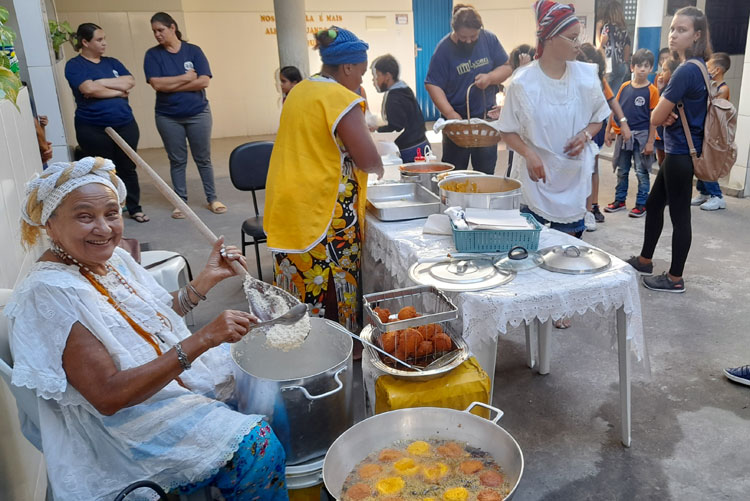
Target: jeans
[(673, 184), (627, 158), (620, 72), (482, 159), (711, 188), (96, 143), (196, 129), (408, 154), (576, 228)]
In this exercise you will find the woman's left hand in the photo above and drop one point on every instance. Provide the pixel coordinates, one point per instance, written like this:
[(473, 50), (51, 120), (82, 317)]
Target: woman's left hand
[(575, 145), (671, 118), (219, 265)]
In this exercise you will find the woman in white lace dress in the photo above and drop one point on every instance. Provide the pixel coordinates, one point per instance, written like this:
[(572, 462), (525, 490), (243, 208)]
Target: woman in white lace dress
[(126, 392), (553, 107)]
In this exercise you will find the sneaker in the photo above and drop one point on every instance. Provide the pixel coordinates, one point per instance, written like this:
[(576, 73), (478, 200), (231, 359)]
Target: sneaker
[(699, 199), (643, 269), (714, 203), (664, 284), (597, 213), (615, 206), (637, 211), (739, 374), (589, 221)]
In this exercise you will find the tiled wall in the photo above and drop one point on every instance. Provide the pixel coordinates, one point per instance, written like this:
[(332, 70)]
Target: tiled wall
[(22, 474)]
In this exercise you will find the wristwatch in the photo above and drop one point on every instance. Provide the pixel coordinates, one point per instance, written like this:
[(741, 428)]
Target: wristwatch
[(624, 120), (587, 134)]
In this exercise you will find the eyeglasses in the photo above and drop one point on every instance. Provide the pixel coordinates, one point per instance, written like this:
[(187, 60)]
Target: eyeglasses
[(575, 41)]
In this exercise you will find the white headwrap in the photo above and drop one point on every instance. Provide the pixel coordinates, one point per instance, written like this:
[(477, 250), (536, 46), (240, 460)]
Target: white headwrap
[(85, 171)]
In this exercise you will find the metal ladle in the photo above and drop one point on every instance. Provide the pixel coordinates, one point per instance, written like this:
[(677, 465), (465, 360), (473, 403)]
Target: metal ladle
[(290, 317)]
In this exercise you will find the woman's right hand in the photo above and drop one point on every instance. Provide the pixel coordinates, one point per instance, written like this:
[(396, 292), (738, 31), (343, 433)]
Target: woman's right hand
[(535, 167), (229, 327)]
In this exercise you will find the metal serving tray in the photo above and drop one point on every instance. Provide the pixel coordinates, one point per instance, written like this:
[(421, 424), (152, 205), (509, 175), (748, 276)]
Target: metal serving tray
[(400, 201)]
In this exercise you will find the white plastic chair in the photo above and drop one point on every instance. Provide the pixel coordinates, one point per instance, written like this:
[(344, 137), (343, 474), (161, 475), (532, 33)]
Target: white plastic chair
[(171, 272)]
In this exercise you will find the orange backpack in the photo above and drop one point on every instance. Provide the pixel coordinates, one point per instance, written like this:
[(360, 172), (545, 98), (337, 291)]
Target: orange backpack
[(719, 150)]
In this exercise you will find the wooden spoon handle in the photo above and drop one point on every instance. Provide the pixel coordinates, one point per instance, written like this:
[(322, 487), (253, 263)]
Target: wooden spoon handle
[(170, 195)]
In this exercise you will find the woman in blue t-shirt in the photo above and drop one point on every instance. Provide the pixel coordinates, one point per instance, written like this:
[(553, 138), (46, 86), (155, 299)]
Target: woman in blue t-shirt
[(179, 73), (100, 87), (468, 55), (688, 39)]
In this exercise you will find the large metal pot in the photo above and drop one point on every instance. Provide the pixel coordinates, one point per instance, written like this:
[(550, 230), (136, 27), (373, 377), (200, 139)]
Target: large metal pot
[(422, 423), (305, 393), (493, 192), (423, 173)]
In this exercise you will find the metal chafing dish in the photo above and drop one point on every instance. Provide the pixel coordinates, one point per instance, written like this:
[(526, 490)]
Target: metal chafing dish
[(400, 201)]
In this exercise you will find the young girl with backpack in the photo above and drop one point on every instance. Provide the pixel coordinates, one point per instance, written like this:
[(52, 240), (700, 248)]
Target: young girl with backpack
[(688, 39)]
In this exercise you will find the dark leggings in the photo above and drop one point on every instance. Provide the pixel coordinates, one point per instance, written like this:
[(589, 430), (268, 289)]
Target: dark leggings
[(673, 185), (96, 143)]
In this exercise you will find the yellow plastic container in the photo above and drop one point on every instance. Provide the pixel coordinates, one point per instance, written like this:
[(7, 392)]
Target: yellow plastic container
[(463, 385), (306, 494)]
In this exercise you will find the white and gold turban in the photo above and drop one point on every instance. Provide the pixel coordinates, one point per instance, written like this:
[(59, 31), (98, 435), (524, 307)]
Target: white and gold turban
[(45, 192)]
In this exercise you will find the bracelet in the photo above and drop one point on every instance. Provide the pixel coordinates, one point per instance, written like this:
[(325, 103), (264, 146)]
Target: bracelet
[(183, 299), (195, 291), (182, 357), (587, 134)]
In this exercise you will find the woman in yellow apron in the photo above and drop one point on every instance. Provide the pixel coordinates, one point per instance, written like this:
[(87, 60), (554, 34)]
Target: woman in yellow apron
[(317, 181)]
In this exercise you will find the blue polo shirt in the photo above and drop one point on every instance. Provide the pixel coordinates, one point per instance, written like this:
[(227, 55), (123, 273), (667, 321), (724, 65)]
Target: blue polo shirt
[(107, 112), (161, 63), (686, 85), (453, 71)]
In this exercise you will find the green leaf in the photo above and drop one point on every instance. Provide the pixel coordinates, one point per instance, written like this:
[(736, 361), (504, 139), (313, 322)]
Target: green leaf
[(4, 15), (10, 84)]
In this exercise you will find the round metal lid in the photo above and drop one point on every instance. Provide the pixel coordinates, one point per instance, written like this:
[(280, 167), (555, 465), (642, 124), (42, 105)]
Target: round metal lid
[(421, 274), (519, 259), (574, 259), (463, 271)]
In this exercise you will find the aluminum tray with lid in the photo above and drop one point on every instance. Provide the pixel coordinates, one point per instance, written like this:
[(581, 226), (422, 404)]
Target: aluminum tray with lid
[(519, 259), (460, 274), (574, 259)]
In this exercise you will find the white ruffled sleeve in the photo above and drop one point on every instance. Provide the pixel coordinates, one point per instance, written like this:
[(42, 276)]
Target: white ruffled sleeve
[(41, 319)]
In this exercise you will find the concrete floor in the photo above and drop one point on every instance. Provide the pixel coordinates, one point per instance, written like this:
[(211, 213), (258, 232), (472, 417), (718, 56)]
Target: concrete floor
[(691, 427)]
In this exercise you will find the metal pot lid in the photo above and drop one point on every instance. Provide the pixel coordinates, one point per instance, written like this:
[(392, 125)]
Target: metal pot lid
[(463, 271), (574, 259), (519, 259), (421, 274)]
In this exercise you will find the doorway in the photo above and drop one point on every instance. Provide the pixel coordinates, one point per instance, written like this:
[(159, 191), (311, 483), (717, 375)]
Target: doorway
[(432, 21)]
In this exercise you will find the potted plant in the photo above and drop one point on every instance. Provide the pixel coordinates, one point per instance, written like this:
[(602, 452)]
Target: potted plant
[(10, 83), (61, 33)]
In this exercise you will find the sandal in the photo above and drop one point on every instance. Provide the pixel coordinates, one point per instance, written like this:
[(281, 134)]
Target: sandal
[(217, 207), (140, 217), (177, 214), (563, 323)]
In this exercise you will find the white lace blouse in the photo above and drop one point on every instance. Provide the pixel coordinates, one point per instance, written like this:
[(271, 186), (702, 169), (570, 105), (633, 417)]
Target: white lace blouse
[(546, 113), (175, 437)]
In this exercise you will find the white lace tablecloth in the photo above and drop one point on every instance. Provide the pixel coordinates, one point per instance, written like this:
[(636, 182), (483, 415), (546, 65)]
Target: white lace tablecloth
[(532, 294)]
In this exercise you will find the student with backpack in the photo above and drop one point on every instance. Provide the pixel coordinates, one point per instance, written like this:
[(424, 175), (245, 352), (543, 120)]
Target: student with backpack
[(689, 38), (637, 98), (709, 192)]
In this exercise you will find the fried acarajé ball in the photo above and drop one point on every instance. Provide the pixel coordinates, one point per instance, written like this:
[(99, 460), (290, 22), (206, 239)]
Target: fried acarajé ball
[(451, 450), (428, 331), (425, 348), (388, 340), (471, 466), (491, 478), (488, 495), (388, 455), (383, 314), (442, 342), (358, 491), (408, 340), (407, 312), (370, 470)]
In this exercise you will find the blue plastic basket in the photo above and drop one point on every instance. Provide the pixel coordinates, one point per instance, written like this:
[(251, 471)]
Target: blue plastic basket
[(497, 240)]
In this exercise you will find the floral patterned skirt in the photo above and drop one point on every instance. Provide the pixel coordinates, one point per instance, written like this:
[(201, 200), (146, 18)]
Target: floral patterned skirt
[(334, 259)]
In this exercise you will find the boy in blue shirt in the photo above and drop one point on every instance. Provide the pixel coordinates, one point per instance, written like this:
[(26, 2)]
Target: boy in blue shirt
[(637, 99)]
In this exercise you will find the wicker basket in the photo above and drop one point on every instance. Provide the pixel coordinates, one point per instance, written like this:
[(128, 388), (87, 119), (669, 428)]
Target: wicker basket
[(472, 135)]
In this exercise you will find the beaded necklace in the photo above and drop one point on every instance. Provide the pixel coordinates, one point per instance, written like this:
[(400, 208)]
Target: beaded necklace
[(102, 289)]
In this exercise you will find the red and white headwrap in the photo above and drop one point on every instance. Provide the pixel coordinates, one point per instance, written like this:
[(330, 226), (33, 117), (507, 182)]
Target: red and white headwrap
[(552, 18)]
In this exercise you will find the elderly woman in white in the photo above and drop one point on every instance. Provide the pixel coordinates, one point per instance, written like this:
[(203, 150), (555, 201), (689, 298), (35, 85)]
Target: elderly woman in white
[(553, 107), (126, 392)]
